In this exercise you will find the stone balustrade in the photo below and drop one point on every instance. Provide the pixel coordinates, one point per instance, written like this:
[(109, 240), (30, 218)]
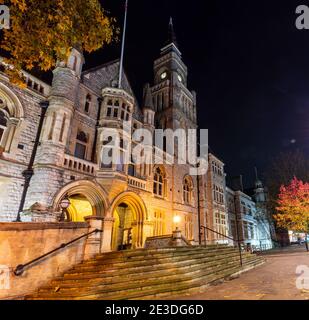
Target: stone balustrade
[(137, 183), (79, 165)]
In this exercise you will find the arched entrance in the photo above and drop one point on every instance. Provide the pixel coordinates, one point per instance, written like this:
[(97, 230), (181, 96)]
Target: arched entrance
[(129, 213), (123, 227), (79, 208), (86, 198)]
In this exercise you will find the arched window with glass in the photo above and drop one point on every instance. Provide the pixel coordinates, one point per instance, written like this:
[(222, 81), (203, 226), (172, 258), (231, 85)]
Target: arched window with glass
[(187, 190), (159, 182)]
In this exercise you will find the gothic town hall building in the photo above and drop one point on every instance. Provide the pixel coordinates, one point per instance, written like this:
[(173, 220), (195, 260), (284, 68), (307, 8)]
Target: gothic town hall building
[(135, 201)]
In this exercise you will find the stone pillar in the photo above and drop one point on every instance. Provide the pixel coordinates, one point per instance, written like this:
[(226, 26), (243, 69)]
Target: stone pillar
[(107, 234), (177, 240), (93, 242)]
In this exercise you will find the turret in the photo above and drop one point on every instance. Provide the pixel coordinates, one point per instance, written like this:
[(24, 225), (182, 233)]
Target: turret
[(48, 175), (61, 107)]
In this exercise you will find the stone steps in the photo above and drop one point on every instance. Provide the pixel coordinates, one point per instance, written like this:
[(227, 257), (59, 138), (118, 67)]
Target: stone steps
[(143, 284), (111, 276), (166, 275), (138, 274), (146, 260)]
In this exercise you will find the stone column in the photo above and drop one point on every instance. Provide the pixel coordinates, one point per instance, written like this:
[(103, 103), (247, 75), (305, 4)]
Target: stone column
[(9, 134), (107, 234), (93, 242)]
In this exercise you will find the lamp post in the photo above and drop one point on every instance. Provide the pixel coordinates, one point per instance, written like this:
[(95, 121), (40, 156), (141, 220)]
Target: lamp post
[(176, 220), (64, 205)]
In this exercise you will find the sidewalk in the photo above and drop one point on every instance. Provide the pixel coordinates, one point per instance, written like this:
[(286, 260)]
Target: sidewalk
[(275, 280)]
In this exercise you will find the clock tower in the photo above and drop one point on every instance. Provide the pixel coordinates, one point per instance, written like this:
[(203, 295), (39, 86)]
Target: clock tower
[(174, 104)]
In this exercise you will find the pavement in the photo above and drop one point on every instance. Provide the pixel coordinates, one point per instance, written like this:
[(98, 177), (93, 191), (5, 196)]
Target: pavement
[(274, 280)]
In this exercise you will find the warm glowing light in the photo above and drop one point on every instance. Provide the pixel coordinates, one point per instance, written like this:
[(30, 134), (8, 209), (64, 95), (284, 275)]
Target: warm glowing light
[(176, 219)]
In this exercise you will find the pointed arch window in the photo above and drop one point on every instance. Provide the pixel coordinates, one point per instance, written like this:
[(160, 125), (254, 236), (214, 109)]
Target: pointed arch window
[(159, 182), (187, 190)]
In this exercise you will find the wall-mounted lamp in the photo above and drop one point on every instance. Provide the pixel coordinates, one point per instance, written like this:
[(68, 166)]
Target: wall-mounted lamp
[(64, 205)]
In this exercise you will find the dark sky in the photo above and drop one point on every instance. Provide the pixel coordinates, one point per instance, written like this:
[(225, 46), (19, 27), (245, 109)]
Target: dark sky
[(247, 61)]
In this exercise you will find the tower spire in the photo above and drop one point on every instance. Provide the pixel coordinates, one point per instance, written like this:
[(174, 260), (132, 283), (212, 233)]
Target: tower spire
[(123, 44), (171, 33), (256, 173)]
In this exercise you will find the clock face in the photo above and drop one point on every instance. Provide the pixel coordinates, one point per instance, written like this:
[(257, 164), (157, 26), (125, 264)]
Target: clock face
[(179, 78), (163, 75)]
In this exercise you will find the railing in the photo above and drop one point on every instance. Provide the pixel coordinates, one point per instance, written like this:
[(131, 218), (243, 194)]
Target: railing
[(19, 270), (238, 241), (137, 183), (79, 165)]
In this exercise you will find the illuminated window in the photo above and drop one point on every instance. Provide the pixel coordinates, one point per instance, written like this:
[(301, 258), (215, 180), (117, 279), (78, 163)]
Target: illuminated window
[(158, 182)]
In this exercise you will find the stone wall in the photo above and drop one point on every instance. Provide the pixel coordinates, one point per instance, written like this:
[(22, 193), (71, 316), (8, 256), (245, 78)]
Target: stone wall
[(22, 242)]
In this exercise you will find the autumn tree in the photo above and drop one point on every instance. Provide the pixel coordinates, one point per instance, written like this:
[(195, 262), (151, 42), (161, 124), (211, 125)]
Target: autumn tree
[(282, 169), (293, 206), (43, 32)]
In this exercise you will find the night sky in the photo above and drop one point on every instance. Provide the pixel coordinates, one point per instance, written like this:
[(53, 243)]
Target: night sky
[(247, 61)]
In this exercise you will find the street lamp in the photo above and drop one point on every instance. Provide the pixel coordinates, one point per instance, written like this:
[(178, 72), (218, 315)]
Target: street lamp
[(176, 220), (64, 205)]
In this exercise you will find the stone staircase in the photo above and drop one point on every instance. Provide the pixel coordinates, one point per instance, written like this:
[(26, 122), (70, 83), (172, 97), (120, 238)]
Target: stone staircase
[(147, 274)]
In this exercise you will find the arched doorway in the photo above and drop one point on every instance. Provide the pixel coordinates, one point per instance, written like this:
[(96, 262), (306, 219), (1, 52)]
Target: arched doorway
[(129, 214), (123, 227), (86, 198), (79, 208)]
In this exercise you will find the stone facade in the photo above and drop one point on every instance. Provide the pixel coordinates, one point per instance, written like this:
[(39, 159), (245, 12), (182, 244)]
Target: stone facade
[(135, 201), (254, 228)]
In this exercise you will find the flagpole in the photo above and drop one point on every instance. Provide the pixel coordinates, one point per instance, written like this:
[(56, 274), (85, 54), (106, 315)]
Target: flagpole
[(122, 45)]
